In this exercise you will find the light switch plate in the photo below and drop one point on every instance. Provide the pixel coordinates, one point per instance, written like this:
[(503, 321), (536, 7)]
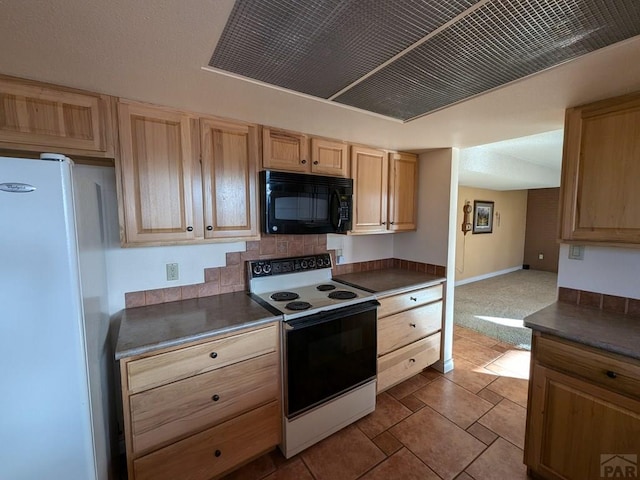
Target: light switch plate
[(576, 252)]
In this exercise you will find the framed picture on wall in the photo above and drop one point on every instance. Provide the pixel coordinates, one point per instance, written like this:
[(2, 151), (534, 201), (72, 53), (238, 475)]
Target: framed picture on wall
[(482, 216)]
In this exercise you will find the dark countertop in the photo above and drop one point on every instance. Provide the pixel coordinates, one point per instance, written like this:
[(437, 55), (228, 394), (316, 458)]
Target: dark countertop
[(144, 329), (389, 281), (612, 332)]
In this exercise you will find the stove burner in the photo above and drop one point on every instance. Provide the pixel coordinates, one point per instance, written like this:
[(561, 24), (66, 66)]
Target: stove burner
[(325, 287), (298, 305), (342, 295), (284, 296)]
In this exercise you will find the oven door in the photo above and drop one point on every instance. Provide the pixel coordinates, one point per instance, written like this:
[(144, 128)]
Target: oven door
[(327, 354)]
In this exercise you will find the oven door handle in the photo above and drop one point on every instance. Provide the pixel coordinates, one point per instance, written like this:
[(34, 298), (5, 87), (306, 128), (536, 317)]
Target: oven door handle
[(329, 315)]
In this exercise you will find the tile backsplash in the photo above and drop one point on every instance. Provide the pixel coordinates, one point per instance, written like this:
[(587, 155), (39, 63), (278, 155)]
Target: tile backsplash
[(232, 277), (601, 301)]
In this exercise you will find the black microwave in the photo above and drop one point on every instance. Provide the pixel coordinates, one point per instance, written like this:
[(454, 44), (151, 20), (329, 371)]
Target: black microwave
[(299, 204)]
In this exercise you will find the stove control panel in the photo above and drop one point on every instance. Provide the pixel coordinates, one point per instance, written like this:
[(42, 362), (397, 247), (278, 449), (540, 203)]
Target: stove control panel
[(279, 266)]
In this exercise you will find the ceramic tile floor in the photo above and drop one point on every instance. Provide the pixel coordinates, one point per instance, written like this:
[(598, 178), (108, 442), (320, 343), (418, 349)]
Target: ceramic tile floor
[(466, 424)]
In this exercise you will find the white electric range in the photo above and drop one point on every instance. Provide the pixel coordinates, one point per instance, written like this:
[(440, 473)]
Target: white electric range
[(329, 346)]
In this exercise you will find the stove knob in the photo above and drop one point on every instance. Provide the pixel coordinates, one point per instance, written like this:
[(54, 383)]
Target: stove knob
[(304, 264), (257, 269), (267, 268), (312, 263)]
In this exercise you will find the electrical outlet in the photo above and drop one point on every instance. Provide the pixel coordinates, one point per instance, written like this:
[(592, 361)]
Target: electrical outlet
[(541, 256), (172, 271)]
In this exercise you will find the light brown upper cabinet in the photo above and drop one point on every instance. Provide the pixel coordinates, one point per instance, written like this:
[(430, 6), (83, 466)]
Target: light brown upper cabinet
[(167, 195), (601, 173), (369, 170), (36, 116), (229, 162), (289, 151), (329, 157), (160, 200), (403, 191), (282, 150), (385, 190)]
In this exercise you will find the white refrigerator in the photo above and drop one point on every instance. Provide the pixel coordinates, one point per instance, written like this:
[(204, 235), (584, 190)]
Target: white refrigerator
[(52, 423)]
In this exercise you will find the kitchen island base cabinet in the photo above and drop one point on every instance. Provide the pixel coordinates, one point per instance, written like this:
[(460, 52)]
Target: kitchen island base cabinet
[(216, 451), (580, 425)]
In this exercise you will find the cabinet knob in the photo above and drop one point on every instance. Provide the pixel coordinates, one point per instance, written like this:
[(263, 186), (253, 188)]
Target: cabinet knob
[(189, 229), (209, 227), (213, 355), (217, 453), (303, 162), (413, 299), (611, 374), (215, 398), (413, 325), (391, 223), (316, 162)]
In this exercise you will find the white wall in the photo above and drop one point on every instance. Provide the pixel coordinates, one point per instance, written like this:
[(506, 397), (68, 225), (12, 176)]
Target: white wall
[(361, 248), (610, 270)]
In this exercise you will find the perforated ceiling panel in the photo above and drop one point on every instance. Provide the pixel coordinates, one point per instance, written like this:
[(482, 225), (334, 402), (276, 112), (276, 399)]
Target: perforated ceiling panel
[(320, 47)]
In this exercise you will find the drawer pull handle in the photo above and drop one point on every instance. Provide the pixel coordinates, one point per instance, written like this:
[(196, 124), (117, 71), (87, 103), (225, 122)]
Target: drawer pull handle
[(413, 325), (611, 374), (213, 355), (215, 398), (412, 360), (414, 299), (217, 453)]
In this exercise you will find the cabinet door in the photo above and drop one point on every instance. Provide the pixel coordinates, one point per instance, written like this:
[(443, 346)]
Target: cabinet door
[(403, 191), (284, 150), (38, 115), (329, 157), (229, 164), (369, 170), (601, 172), (157, 171), (576, 429)]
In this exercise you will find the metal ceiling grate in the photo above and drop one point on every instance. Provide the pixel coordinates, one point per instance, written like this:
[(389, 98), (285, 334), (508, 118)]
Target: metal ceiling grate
[(498, 43), (318, 47)]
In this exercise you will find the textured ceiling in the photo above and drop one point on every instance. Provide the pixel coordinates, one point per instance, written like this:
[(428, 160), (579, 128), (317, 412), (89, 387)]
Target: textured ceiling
[(404, 59)]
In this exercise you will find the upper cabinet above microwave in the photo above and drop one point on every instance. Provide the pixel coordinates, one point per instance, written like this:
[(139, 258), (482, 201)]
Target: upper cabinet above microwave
[(292, 152), (601, 173)]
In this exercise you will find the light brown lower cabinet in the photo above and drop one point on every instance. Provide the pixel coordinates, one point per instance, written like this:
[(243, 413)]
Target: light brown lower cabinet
[(201, 410), (583, 415), (409, 326)]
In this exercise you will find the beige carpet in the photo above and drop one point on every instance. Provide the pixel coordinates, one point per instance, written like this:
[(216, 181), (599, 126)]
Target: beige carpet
[(496, 306)]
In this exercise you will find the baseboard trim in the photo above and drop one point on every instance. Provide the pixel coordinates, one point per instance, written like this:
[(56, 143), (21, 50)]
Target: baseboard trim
[(487, 275)]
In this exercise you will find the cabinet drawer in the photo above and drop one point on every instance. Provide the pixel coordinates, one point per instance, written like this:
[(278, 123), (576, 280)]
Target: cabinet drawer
[(406, 327), (171, 366), (617, 374), (175, 410), (408, 361), (405, 301), (216, 450)]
